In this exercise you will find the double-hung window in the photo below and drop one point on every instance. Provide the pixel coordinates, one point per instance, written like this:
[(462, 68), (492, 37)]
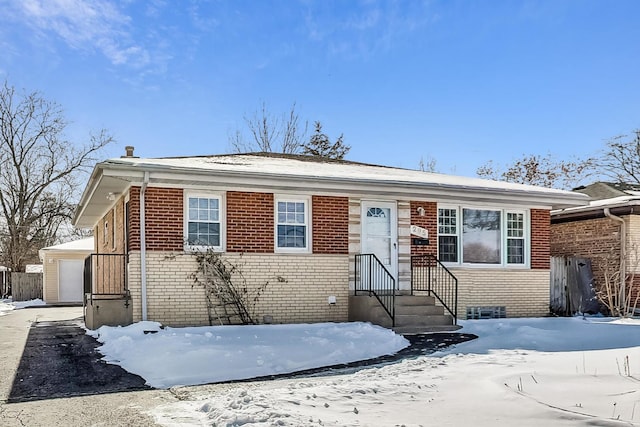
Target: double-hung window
[(482, 236), (292, 225), (448, 234), (203, 228), (515, 238)]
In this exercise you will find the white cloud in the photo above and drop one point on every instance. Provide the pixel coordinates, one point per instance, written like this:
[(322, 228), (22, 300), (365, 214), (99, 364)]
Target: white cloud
[(368, 27), (86, 25)]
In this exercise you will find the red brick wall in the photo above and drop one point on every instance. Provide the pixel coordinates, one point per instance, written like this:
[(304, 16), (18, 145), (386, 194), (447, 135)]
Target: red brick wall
[(163, 219), (330, 225), (597, 239), (428, 221), (250, 222), (540, 238)]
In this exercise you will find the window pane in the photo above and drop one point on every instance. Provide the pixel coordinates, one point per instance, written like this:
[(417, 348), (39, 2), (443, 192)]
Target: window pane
[(448, 248), (515, 224), (203, 227), (447, 221), (515, 251), (291, 236), (481, 236)]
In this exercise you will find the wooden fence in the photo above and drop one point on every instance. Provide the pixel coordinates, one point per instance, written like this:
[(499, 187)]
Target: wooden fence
[(572, 287), (26, 286)]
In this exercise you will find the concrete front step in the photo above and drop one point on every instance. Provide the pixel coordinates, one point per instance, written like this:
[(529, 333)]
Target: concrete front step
[(414, 330), (420, 320), (419, 312), (409, 300), (419, 309)]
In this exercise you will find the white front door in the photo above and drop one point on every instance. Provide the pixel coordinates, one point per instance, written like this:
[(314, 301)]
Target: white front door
[(70, 277), (380, 233)]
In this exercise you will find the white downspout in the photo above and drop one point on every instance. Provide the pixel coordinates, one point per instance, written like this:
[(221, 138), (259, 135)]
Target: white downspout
[(143, 248), (623, 257)]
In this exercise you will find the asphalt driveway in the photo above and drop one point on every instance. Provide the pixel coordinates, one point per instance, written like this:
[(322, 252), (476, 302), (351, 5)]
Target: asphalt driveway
[(61, 360)]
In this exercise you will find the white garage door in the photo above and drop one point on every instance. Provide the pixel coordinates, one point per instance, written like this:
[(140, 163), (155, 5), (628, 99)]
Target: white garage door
[(70, 272)]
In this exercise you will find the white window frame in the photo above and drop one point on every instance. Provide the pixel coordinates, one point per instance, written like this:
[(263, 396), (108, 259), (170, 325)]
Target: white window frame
[(306, 200), (503, 236), (525, 237), (221, 221), (457, 233)]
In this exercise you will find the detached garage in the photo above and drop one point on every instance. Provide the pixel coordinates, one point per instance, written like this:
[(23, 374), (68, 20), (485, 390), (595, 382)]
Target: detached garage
[(63, 267)]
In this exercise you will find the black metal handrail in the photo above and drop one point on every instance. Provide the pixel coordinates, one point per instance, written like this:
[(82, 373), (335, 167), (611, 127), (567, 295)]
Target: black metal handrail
[(371, 276), (430, 275), (105, 275)]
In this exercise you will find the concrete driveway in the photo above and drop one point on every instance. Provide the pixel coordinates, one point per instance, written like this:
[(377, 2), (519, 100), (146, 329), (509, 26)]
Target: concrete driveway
[(111, 409)]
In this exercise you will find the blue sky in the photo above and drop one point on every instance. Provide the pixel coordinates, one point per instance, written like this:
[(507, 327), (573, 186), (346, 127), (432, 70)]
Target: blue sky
[(462, 82)]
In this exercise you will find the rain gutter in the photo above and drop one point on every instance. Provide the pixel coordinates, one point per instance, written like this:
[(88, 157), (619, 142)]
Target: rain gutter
[(623, 256), (143, 247)]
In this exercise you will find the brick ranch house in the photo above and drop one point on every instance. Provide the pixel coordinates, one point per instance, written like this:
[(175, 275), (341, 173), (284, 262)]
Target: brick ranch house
[(473, 243), (605, 230)]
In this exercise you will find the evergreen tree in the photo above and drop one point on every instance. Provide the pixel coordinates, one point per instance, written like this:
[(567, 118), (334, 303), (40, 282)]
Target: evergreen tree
[(319, 145)]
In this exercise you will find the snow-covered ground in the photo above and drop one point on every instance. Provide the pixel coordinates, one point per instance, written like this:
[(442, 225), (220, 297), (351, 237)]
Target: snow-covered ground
[(525, 372), (186, 356), (6, 305)]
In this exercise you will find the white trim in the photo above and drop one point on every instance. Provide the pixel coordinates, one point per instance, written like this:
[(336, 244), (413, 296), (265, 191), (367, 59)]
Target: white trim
[(503, 235), (222, 219), (526, 233), (307, 222)]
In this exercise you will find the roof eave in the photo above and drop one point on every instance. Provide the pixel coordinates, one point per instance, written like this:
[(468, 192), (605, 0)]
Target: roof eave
[(591, 212), (128, 174)]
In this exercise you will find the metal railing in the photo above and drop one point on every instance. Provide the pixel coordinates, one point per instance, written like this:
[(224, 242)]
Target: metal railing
[(429, 275), (105, 275), (372, 277)]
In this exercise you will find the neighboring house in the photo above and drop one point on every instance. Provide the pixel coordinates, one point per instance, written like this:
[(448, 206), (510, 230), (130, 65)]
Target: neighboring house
[(63, 267), (310, 221), (605, 230)]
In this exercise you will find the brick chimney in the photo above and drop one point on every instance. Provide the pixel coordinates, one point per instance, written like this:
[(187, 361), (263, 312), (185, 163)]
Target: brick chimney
[(129, 151)]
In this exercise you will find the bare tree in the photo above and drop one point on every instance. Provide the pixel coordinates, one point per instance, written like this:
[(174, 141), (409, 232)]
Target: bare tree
[(270, 133), (39, 173), (541, 171), (621, 158), (619, 291), (320, 146), (427, 166)]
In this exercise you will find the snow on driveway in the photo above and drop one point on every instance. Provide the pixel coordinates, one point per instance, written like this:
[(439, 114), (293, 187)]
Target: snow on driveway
[(7, 305)]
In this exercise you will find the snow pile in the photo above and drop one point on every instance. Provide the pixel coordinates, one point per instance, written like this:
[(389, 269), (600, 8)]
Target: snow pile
[(549, 334), (186, 356), (524, 372), (6, 305)]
